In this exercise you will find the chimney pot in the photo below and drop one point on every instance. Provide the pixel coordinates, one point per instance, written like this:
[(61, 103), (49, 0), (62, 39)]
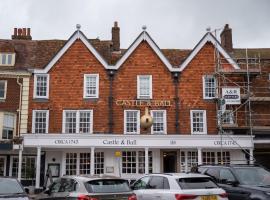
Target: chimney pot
[(226, 38), (116, 37), (15, 31), (24, 32), (28, 31), (19, 32)]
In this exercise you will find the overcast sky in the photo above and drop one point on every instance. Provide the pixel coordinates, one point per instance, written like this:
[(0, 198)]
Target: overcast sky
[(171, 23)]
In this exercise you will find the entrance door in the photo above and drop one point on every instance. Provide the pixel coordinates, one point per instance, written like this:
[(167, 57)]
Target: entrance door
[(170, 161)]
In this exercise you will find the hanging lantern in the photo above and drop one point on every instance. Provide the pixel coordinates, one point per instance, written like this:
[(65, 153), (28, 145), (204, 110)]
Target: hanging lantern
[(146, 119)]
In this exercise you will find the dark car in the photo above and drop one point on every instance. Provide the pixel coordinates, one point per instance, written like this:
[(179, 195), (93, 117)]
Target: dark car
[(11, 189), (241, 182), (88, 188)]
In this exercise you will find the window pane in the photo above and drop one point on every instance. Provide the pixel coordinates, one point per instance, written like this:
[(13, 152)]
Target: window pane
[(99, 162), (198, 121), (9, 59), (141, 163), (85, 163), (70, 121), (71, 163), (131, 121), (2, 89), (208, 158), (188, 160), (209, 86), (144, 86), (158, 124), (91, 86), (2, 166), (85, 122), (41, 85), (4, 59), (129, 162), (40, 121)]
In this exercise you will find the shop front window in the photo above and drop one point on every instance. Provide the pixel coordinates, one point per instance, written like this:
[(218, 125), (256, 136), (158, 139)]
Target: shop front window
[(188, 160), (2, 166), (134, 162), (99, 162), (28, 167)]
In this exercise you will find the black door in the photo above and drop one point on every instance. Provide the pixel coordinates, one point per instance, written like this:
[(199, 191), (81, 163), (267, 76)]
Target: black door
[(170, 162)]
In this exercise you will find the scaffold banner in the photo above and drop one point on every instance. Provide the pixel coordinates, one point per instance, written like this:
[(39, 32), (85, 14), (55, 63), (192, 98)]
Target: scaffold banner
[(231, 95)]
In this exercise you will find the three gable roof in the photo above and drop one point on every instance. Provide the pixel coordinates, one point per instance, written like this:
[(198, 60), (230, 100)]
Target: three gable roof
[(166, 56)]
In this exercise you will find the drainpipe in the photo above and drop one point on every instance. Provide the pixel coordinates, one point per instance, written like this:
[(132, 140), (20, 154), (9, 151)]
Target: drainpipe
[(176, 100), (110, 100), (20, 107)]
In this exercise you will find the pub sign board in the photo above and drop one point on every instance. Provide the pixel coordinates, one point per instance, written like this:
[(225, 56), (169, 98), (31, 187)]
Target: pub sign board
[(231, 95)]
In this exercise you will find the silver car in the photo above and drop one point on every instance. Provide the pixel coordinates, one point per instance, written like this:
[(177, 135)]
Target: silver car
[(11, 189), (180, 186), (88, 188)]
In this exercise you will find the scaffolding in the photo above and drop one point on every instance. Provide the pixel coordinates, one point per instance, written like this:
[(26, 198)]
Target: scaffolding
[(245, 118)]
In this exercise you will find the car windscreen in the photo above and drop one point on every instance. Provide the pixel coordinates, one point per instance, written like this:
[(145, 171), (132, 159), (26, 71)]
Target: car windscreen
[(196, 183), (10, 186), (107, 186), (253, 176)]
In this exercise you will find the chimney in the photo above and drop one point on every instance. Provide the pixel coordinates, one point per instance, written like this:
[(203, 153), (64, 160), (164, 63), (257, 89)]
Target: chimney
[(22, 34), (226, 38), (116, 37)]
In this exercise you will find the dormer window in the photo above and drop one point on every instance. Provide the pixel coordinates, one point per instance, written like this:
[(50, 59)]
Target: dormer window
[(7, 59)]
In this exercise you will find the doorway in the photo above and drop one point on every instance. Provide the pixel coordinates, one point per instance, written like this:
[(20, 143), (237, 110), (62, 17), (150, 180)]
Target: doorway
[(169, 161)]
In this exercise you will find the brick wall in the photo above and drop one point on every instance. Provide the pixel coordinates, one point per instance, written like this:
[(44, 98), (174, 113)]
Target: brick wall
[(66, 88)]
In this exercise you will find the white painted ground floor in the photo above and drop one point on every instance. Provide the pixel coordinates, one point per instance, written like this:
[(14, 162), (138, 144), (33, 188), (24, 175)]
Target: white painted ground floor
[(128, 156)]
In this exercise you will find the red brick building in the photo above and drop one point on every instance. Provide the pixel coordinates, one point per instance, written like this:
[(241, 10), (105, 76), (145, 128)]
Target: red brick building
[(88, 98)]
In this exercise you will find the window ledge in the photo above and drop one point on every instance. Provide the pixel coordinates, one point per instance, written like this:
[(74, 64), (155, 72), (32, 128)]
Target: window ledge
[(41, 100), (91, 99)]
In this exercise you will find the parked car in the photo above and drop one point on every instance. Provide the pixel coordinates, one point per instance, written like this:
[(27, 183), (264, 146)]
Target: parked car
[(180, 186), (11, 189), (241, 182), (88, 188)]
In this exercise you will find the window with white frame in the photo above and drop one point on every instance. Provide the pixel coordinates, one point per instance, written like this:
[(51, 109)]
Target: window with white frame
[(99, 162), (226, 117), (141, 162), (85, 160), (188, 160), (91, 86), (2, 166), (144, 86), (209, 87), (198, 121), (159, 122), (129, 162), (134, 162), (208, 158), (77, 121), (132, 121), (7, 59), (28, 167), (81, 163), (40, 121), (71, 163), (41, 86), (3, 89), (226, 158), (8, 126)]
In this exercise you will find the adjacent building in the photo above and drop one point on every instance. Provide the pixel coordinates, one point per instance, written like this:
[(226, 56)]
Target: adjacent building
[(88, 101)]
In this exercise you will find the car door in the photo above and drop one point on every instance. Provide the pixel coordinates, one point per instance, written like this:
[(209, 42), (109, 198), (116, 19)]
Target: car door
[(158, 188), (67, 186), (52, 191), (140, 188), (229, 183)]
